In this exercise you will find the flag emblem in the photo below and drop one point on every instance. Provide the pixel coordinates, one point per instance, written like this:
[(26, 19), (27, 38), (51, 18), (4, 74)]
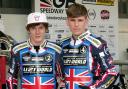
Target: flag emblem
[(38, 83), (74, 79)]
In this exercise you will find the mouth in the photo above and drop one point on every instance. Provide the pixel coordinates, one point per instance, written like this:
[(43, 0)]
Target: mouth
[(76, 30), (37, 36)]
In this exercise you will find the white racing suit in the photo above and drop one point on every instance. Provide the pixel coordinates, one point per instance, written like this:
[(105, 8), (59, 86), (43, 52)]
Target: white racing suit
[(87, 63), (39, 67)]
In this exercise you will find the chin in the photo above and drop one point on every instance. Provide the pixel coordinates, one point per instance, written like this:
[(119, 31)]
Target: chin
[(77, 34), (38, 41)]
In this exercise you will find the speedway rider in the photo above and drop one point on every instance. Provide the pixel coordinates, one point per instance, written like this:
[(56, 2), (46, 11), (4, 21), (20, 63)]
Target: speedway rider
[(87, 61), (36, 60)]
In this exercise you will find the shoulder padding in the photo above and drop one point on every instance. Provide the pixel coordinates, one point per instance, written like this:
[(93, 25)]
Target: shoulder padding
[(54, 46), (63, 40), (20, 46), (94, 41)]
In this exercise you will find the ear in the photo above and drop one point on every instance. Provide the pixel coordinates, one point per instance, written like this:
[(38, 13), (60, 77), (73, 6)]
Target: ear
[(46, 30), (86, 24), (28, 31), (86, 19)]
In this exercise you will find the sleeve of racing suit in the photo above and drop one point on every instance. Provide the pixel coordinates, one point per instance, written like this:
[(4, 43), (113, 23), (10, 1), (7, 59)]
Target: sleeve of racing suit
[(12, 73), (108, 72), (60, 73)]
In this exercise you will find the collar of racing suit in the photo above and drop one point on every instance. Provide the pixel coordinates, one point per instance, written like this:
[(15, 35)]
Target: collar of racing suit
[(80, 38), (86, 36), (40, 48)]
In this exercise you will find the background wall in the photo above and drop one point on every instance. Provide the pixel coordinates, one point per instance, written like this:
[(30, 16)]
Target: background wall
[(123, 44), (15, 26), (123, 39)]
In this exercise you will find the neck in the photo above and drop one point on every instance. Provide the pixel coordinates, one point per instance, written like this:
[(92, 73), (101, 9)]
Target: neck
[(75, 37)]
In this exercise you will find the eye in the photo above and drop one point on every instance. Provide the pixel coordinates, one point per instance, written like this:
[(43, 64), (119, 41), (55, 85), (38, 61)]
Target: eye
[(41, 27), (32, 28), (72, 19), (80, 20)]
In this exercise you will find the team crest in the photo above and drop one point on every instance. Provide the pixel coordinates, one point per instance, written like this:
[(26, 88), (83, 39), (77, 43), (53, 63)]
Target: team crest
[(48, 58), (83, 49), (27, 57)]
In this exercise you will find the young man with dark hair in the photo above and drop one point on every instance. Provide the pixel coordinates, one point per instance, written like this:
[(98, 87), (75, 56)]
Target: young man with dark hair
[(36, 60)]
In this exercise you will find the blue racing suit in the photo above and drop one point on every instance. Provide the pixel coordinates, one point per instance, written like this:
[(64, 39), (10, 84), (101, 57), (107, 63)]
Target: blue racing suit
[(87, 63), (39, 67)]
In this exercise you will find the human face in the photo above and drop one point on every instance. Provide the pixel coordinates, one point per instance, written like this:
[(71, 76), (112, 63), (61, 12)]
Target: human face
[(77, 25), (37, 34)]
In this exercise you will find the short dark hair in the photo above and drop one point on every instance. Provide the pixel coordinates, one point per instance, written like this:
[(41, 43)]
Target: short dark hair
[(76, 10), (35, 24)]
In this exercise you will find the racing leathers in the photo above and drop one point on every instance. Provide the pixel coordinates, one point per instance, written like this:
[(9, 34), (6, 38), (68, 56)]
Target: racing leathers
[(87, 63), (39, 67)]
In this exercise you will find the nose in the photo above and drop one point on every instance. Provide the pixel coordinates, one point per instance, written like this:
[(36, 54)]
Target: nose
[(37, 30), (76, 23)]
